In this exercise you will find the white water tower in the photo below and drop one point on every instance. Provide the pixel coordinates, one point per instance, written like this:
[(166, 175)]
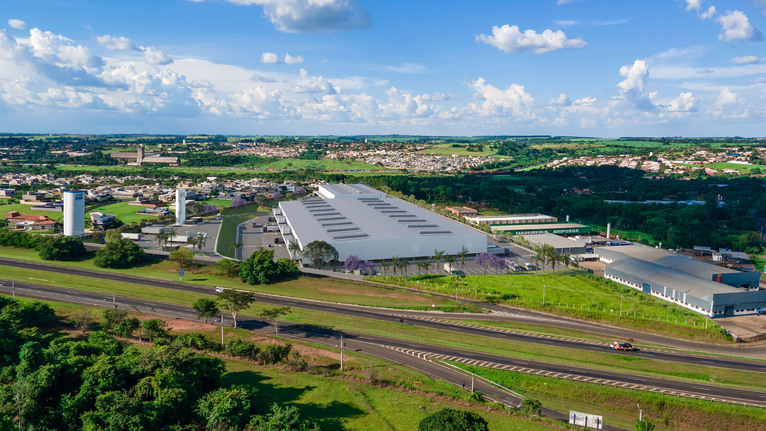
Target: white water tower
[(180, 206), (74, 213)]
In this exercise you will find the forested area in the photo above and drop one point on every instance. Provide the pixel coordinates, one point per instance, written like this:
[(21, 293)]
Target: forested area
[(56, 382)]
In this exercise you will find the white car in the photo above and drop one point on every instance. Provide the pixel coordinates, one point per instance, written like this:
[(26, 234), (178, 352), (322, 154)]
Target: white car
[(219, 289)]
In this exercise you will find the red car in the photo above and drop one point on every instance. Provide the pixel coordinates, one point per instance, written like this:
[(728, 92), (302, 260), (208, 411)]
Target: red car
[(621, 346)]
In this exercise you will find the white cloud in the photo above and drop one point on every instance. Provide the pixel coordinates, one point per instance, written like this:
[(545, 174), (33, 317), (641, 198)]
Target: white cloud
[(289, 59), (156, 56), (269, 58), (747, 59), (673, 53), (408, 68), (726, 97), (685, 102), (313, 16), (709, 13), (510, 39), (562, 100), (497, 104), (560, 2), (632, 88), (273, 58), (693, 4), (17, 24), (120, 43), (736, 26)]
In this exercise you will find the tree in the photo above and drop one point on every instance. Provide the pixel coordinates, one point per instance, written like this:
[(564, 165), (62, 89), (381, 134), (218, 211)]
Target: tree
[(122, 253), (438, 256), (319, 253), (112, 235), (646, 425), (273, 314), (183, 257), (205, 308), (227, 267), (225, 409), (170, 235), (260, 268), (352, 263), (155, 329), (161, 238), (281, 418), (484, 260), (294, 248), (61, 248), (235, 301), (448, 419), (200, 240), (531, 407)]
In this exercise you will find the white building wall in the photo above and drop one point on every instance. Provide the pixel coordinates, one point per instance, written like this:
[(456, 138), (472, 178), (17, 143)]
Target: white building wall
[(74, 213), (180, 206)]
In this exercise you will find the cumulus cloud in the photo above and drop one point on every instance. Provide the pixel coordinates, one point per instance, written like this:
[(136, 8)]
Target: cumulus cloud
[(17, 24), (269, 58), (156, 56), (508, 38), (632, 88), (685, 102), (313, 16), (493, 102), (120, 43), (693, 4), (726, 97), (562, 100), (709, 13), (736, 26), (273, 58)]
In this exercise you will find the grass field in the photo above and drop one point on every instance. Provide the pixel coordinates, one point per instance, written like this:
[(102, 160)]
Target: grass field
[(619, 406), (448, 150), (124, 211), (25, 209), (632, 235), (744, 169), (576, 295), (405, 331), (227, 234)]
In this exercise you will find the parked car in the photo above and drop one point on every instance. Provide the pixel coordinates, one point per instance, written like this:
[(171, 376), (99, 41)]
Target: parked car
[(621, 346)]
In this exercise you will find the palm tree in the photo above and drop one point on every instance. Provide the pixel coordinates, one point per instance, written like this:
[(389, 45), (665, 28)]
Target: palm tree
[(427, 265), (438, 256), (200, 241), (294, 248), (450, 259), (171, 233), (463, 253), (237, 246), (395, 263), (160, 238), (403, 264), (192, 241), (384, 266)]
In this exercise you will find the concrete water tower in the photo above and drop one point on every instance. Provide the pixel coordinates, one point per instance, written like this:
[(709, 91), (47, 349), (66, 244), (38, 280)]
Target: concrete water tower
[(180, 206), (74, 213)]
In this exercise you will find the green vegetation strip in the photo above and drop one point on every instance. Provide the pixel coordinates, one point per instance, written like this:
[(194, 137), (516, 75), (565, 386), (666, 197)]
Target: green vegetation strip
[(515, 349), (618, 406), (575, 295), (227, 234)]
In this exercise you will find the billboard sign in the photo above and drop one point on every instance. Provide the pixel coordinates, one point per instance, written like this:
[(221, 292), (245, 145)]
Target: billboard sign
[(585, 420)]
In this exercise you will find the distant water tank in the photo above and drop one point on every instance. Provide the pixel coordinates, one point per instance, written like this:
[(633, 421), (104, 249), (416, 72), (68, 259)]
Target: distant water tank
[(74, 213), (180, 206)]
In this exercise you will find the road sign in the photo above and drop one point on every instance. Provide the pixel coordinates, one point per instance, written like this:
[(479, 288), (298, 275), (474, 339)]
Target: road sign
[(180, 273), (585, 420)]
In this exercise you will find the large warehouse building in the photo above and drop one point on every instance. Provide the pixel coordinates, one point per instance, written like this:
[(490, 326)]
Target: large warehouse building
[(701, 287), (359, 220)]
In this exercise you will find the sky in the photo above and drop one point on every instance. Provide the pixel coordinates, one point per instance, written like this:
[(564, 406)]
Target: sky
[(602, 68)]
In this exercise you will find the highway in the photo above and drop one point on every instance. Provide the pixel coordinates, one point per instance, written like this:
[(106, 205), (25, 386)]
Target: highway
[(402, 351)]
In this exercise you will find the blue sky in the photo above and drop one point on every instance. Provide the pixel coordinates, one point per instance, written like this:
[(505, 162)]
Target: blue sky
[(451, 67)]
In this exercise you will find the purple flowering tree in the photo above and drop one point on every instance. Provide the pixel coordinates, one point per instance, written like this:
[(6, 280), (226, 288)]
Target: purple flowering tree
[(277, 196), (369, 267), (497, 263), (484, 260), (237, 202), (352, 263), (209, 209), (299, 191)]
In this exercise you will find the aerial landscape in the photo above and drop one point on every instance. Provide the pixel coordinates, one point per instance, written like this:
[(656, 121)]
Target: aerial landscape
[(279, 215)]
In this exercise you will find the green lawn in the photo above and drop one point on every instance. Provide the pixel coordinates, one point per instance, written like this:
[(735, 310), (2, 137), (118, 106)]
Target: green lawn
[(227, 234), (25, 209), (124, 211), (631, 235), (744, 169), (576, 295), (619, 406)]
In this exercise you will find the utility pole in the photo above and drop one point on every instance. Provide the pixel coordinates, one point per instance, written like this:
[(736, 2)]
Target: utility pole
[(222, 327), (640, 412), (543, 294), (13, 289), (472, 379), (341, 353), (621, 297), (114, 301)]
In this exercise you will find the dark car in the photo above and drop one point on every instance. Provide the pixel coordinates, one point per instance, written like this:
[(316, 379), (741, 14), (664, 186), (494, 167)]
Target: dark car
[(621, 346)]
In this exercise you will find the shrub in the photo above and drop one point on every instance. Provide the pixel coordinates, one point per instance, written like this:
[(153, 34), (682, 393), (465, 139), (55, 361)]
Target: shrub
[(122, 253), (61, 248)]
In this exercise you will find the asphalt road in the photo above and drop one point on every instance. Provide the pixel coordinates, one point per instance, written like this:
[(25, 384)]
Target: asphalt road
[(425, 319), (371, 344)]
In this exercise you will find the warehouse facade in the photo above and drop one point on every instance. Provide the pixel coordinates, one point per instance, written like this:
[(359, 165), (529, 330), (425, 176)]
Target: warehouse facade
[(701, 287), (359, 220)]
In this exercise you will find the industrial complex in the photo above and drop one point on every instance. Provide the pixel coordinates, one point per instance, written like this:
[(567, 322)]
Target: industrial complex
[(701, 287), (359, 220)]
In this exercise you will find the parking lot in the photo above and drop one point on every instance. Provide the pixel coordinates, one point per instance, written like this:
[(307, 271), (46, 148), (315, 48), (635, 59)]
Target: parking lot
[(254, 237), (209, 228)]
